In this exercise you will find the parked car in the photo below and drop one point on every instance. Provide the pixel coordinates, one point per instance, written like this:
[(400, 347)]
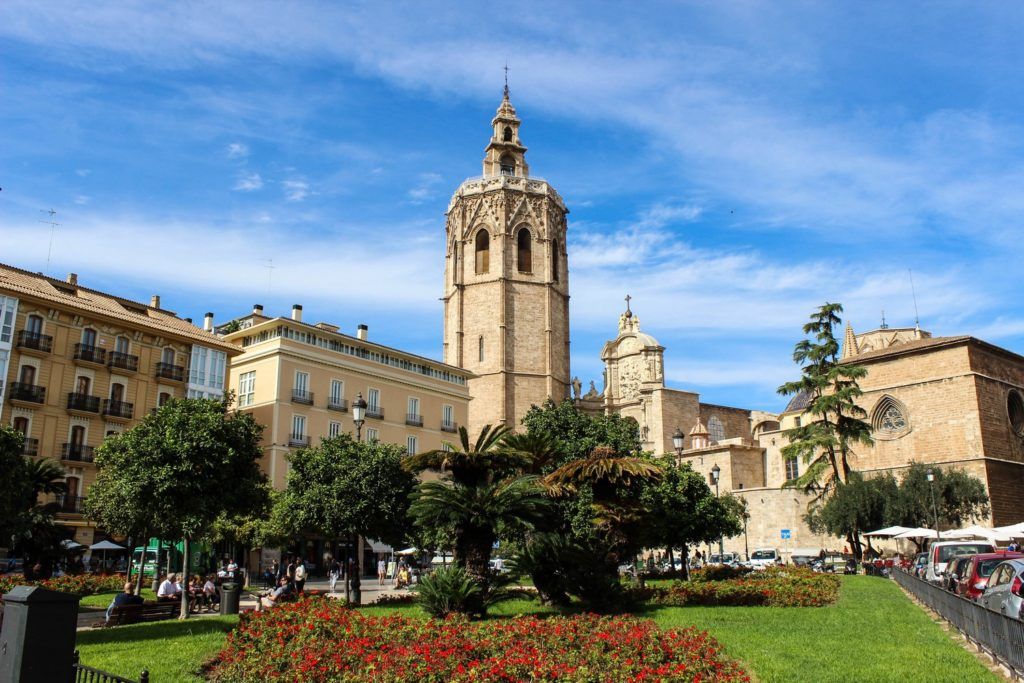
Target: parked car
[(724, 559), (955, 572), (762, 558), (940, 553), (919, 565), (976, 575), (804, 556), (1005, 590)]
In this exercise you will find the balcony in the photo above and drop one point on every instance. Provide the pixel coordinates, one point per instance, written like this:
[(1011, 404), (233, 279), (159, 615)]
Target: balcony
[(449, 427), (30, 447), (175, 373), (86, 353), (34, 341), (339, 404), (298, 441), (376, 412), (125, 362), (27, 393), (302, 396), (414, 420), (118, 410), (76, 452), (83, 403), (71, 505)]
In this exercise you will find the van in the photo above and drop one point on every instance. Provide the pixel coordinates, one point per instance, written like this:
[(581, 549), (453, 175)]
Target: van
[(762, 558), (940, 553)]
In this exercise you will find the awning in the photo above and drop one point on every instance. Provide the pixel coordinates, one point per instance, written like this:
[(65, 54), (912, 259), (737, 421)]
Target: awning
[(68, 544), (106, 545), (888, 531), (378, 547), (976, 531), (919, 532)]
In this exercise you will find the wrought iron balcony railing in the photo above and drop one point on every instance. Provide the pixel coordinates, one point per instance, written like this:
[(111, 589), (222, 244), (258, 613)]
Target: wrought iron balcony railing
[(121, 409), (34, 341), (123, 361), (301, 396), (298, 440), (449, 427), (76, 452), (84, 403), (32, 393), (88, 353), (30, 447), (414, 420), (338, 404), (172, 372)]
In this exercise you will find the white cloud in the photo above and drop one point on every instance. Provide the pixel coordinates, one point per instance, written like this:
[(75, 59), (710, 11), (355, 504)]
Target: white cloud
[(238, 150), (82, 199), (296, 190), (82, 172), (425, 188), (249, 182)]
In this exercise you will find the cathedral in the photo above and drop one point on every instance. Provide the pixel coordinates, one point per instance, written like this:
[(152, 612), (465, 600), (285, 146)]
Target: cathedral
[(947, 401)]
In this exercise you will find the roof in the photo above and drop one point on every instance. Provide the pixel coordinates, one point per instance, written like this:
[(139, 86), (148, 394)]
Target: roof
[(800, 402), (908, 347), (109, 306)]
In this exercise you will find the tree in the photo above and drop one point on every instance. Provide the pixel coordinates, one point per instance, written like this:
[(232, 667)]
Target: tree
[(344, 488), (859, 506), (575, 435), (958, 496), (682, 510), (179, 470)]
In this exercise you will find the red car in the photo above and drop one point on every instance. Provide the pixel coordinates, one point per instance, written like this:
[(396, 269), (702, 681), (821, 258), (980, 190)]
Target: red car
[(977, 573)]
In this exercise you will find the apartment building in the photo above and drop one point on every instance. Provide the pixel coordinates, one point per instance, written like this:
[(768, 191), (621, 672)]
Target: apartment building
[(299, 380), (77, 365)]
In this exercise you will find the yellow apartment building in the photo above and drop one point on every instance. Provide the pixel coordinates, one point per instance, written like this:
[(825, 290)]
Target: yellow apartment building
[(77, 365), (299, 380)]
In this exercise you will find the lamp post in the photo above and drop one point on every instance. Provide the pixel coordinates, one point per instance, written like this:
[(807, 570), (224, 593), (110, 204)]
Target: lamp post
[(716, 472), (677, 441), (746, 543), (359, 415), (935, 509)]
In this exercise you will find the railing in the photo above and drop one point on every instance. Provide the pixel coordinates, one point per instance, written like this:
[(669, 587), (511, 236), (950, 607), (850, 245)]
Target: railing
[(73, 505), (996, 634), (31, 393), (125, 361), (90, 354), (76, 452), (87, 674), (449, 427), (84, 402), (169, 371), (302, 396), (338, 404), (30, 447), (414, 420), (118, 409), (375, 412), (298, 440), (35, 341)]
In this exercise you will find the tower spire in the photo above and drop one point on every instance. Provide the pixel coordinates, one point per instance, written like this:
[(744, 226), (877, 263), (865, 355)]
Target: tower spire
[(850, 342), (506, 79)]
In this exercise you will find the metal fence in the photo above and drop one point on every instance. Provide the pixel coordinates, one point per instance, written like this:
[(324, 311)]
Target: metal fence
[(996, 634), (86, 674)]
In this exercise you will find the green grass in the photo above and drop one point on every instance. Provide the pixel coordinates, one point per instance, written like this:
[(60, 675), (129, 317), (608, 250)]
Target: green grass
[(103, 599), (873, 633), (171, 650)]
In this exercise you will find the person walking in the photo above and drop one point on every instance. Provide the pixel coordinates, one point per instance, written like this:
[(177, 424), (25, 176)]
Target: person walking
[(382, 571), (300, 575), (334, 573), (290, 570)]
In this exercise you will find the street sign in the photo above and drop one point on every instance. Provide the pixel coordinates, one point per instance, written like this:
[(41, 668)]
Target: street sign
[(786, 535)]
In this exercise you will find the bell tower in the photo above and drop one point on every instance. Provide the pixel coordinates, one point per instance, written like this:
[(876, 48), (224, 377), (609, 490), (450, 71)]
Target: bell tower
[(506, 283)]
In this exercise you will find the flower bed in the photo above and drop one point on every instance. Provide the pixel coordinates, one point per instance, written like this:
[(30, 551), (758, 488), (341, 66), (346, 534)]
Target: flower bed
[(82, 584), (317, 640), (774, 587)]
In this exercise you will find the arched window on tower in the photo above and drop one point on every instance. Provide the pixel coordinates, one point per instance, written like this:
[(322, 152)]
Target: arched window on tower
[(507, 135), (554, 260), (483, 252), (480, 349), (524, 251), (889, 419), (508, 165)]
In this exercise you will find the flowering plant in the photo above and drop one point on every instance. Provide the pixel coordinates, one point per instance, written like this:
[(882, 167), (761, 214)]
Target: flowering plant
[(774, 587), (317, 640), (81, 584)]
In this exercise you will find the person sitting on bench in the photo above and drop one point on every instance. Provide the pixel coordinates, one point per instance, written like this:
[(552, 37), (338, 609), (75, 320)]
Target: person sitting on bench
[(170, 589), (127, 597), (283, 592)]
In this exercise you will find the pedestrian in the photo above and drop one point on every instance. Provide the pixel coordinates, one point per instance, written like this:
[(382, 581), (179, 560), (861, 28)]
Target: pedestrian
[(290, 571), (382, 571), (1013, 547), (300, 575), (334, 573)]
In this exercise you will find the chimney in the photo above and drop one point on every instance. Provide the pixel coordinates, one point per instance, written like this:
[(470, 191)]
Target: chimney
[(155, 301), (361, 332), (257, 309), (188, 320), (208, 322), (297, 312), (73, 279)]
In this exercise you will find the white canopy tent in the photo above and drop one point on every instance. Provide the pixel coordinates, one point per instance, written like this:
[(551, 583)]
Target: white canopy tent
[(889, 531), (919, 532), (1013, 530), (976, 531)]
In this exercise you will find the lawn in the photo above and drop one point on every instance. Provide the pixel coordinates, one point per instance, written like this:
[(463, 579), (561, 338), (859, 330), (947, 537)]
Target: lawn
[(103, 599), (873, 633)]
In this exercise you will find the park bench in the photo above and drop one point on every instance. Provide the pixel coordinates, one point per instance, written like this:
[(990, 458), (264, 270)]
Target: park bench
[(136, 614)]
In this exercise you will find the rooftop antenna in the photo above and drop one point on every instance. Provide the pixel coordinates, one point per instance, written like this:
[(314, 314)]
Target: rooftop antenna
[(884, 326), (506, 79), (269, 265), (913, 292), (53, 225)]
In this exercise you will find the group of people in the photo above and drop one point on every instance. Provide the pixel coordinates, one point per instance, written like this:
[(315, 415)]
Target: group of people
[(202, 593), (290, 580)]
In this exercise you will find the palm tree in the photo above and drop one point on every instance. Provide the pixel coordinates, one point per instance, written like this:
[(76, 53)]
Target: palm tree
[(473, 463), (45, 476), (539, 451)]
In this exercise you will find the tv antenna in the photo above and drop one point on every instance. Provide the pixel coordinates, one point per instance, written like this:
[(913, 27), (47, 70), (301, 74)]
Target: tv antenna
[(269, 265), (53, 226), (913, 292)]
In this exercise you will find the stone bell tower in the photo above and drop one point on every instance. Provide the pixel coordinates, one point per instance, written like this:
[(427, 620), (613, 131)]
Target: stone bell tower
[(506, 283)]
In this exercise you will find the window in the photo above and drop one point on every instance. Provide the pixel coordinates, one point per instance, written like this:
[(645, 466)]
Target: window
[(411, 443), (77, 437), (716, 430), (446, 447), (27, 375), (20, 424), (480, 349), (7, 306), (197, 370), (89, 337), (337, 391), (447, 416), (1015, 409), (414, 407), (554, 260), (301, 385), (889, 418), (508, 165), (298, 426), (524, 251), (121, 345), (34, 324), (167, 357), (506, 135), (163, 398), (116, 393), (373, 400), (483, 252), (797, 420), (217, 369), (334, 429), (792, 469), (246, 388), (372, 435), (82, 385)]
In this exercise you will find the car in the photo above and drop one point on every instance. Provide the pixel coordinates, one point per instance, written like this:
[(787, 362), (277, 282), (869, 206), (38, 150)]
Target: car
[(940, 553), (762, 558), (802, 557), (724, 559), (955, 570), (1004, 592), (976, 575)]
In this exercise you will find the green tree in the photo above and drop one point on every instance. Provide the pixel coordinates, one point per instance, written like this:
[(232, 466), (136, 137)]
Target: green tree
[(958, 496), (575, 435), (345, 488), (177, 471), (15, 494), (857, 507)]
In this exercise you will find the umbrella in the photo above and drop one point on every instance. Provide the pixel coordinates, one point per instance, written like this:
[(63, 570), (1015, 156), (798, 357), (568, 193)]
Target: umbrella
[(1014, 530), (104, 546), (407, 551), (976, 531), (68, 544), (919, 532), (889, 531)]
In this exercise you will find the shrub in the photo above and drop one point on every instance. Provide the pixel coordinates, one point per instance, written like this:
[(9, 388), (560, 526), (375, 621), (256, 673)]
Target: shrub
[(775, 587), (320, 640), (80, 584), (447, 590), (401, 599)]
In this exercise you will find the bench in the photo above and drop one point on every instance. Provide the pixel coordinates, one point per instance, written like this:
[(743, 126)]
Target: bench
[(136, 614)]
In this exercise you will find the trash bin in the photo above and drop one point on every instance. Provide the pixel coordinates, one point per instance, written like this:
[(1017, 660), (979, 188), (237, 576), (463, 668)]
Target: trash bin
[(229, 594)]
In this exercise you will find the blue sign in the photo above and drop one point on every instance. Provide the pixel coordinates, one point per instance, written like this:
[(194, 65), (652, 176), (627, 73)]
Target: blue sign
[(786, 535)]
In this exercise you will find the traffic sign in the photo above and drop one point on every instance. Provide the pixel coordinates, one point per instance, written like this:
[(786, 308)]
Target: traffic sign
[(786, 535)]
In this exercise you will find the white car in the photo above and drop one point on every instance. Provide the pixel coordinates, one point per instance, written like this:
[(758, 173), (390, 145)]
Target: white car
[(939, 555), (762, 558)]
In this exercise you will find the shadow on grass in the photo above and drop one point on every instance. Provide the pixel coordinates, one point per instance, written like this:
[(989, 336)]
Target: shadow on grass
[(157, 631)]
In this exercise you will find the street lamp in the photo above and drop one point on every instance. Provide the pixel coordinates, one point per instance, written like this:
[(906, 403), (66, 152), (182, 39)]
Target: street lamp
[(935, 509), (359, 415), (716, 472), (677, 441)]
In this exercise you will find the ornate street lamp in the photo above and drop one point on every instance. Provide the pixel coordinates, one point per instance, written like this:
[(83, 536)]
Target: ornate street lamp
[(359, 415), (677, 441), (935, 510), (716, 472)]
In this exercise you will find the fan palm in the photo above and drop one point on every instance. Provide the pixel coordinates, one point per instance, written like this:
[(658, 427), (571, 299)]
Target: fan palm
[(45, 476), (471, 464), (605, 471), (540, 451)]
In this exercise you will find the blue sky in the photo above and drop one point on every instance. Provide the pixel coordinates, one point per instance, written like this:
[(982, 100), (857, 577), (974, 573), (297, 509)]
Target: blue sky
[(729, 165)]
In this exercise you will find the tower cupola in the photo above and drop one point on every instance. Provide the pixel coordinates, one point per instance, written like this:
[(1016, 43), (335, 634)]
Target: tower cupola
[(505, 154)]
